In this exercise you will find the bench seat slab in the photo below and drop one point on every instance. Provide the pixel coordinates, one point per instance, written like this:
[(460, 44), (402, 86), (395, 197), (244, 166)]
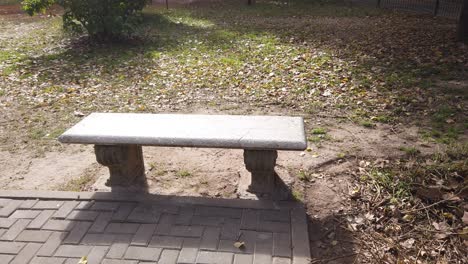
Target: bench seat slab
[(178, 130)]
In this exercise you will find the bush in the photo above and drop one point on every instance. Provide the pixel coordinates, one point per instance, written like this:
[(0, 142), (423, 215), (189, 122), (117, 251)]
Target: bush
[(104, 20)]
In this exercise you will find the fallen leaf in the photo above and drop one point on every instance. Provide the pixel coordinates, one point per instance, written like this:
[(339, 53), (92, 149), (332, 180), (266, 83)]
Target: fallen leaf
[(83, 260), (239, 244), (465, 218), (407, 243)]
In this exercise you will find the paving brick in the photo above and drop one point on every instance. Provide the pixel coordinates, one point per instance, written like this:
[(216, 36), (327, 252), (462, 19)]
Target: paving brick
[(54, 241), (277, 227), (6, 258), (48, 204), (168, 256), (207, 220), (117, 250), (187, 255), (105, 206), (73, 251), (243, 259), (10, 207), (263, 248), (10, 247), (2, 231), (275, 215), (218, 211), (7, 222), (118, 261), (41, 219), (59, 225), (185, 215), (101, 222), (77, 233), (33, 236), (65, 209), (143, 234), (210, 238), (48, 260), (72, 261), (4, 202), (82, 215), (27, 204), (26, 214), (144, 214), (26, 254), (165, 224), (97, 254), (165, 208), (299, 238), (16, 229), (249, 219), (142, 253), (282, 245), (277, 260), (123, 211), (190, 242), (122, 228), (246, 236), (187, 231), (98, 239), (209, 257), (166, 242), (230, 229), (84, 205), (123, 238)]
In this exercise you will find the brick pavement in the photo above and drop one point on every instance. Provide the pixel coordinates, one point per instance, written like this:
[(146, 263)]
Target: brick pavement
[(109, 228)]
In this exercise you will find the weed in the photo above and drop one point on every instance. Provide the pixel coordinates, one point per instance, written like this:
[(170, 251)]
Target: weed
[(184, 173), (410, 151), (367, 123), (78, 184), (319, 131), (303, 175), (298, 196)]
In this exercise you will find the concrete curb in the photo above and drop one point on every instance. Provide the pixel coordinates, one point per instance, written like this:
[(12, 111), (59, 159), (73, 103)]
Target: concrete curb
[(154, 198)]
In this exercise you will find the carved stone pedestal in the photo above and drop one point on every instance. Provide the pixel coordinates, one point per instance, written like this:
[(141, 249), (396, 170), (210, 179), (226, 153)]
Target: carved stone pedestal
[(261, 164), (125, 163), (261, 180)]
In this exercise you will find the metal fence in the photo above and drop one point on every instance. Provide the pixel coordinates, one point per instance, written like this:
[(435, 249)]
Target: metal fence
[(443, 8)]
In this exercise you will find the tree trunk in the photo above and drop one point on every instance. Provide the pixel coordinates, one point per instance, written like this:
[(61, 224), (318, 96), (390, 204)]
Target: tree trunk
[(463, 23)]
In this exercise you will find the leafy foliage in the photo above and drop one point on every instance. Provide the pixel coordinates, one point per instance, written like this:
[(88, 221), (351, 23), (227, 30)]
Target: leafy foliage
[(102, 19)]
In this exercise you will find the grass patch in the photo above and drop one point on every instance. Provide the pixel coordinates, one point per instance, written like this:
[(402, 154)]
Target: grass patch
[(410, 151), (79, 184), (184, 173), (319, 131)]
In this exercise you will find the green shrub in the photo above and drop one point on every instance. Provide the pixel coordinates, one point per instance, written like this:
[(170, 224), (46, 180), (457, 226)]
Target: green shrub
[(104, 20)]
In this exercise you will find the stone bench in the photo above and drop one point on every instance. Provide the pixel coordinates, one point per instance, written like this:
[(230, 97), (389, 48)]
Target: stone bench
[(118, 140)]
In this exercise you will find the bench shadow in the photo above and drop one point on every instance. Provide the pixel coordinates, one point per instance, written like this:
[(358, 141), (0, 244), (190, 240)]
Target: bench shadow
[(138, 221), (331, 241)]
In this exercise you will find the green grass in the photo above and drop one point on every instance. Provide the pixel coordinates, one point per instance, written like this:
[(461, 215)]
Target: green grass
[(410, 151), (319, 131), (79, 184), (184, 173)]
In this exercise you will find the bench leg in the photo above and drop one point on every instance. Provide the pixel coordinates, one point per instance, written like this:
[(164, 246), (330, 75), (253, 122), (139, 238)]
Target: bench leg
[(261, 164), (125, 164)]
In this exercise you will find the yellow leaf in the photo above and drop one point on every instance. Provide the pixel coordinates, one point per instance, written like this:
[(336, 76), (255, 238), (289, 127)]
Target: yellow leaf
[(83, 260), (239, 244)]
